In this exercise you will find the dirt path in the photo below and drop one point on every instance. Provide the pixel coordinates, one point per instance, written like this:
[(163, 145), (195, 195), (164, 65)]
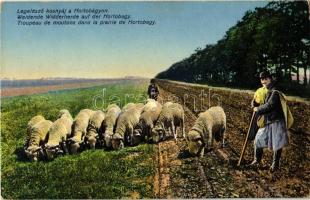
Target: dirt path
[(216, 175), (169, 160), (165, 153)]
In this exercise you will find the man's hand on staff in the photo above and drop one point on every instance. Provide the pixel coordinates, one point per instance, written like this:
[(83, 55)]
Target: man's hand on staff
[(252, 104), (255, 109)]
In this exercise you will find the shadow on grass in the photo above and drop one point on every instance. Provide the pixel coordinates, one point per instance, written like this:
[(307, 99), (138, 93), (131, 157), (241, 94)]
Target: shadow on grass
[(21, 155)]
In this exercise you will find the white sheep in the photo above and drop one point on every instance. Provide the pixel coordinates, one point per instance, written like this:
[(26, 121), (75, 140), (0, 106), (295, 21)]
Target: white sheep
[(125, 126), (209, 125), (112, 114), (170, 118), (57, 135), (148, 118), (128, 106), (79, 129), (37, 138), (94, 128), (64, 112), (36, 119)]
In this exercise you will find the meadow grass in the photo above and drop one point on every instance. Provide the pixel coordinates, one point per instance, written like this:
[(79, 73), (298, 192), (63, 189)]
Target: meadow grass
[(90, 174)]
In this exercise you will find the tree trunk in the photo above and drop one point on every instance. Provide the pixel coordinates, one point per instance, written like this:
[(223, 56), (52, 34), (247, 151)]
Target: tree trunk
[(290, 74), (305, 75), (297, 65), (309, 7)]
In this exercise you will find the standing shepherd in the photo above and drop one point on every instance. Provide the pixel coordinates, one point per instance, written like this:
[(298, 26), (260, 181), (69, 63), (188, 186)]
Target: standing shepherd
[(273, 132), (152, 90), (259, 97)]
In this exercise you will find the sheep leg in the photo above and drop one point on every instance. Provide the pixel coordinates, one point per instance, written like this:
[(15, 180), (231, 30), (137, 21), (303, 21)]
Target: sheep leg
[(64, 146), (202, 152), (176, 130), (164, 132), (83, 135), (130, 135), (173, 128), (183, 128), (224, 135), (149, 132), (68, 134), (210, 139)]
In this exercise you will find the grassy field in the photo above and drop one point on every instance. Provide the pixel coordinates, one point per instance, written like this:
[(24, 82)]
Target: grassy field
[(91, 174)]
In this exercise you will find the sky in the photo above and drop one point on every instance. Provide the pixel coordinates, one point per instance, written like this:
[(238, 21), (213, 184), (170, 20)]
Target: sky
[(110, 51)]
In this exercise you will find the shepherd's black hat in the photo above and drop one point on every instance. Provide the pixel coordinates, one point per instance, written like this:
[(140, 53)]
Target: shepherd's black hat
[(265, 74)]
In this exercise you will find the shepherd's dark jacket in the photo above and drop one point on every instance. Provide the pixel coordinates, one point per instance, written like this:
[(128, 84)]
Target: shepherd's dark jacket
[(271, 109)]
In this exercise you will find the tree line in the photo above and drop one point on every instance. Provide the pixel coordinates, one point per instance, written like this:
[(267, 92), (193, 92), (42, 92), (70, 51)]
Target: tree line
[(275, 37)]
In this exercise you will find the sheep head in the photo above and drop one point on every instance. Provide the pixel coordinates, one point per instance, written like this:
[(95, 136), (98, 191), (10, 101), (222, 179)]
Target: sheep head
[(91, 142), (157, 135), (107, 138), (117, 141), (218, 136), (74, 147), (195, 143), (137, 132), (53, 151), (33, 153), (137, 138)]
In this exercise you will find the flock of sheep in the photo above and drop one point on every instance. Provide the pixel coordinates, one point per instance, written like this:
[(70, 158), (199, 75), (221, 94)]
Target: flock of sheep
[(115, 128)]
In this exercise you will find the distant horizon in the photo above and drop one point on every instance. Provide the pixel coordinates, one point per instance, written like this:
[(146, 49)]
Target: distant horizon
[(68, 77)]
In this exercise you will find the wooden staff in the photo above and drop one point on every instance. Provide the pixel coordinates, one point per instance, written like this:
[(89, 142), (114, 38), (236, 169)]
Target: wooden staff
[(246, 140)]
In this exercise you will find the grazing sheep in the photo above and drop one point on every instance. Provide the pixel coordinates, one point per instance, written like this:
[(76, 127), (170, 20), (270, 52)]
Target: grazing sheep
[(112, 114), (37, 138), (79, 129), (171, 117), (125, 126), (148, 118), (94, 128), (210, 125), (36, 119), (57, 135), (64, 112), (128, 106)]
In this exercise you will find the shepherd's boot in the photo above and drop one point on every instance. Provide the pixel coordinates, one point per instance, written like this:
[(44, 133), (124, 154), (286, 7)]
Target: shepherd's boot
[(276, 160), (258, 154)]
